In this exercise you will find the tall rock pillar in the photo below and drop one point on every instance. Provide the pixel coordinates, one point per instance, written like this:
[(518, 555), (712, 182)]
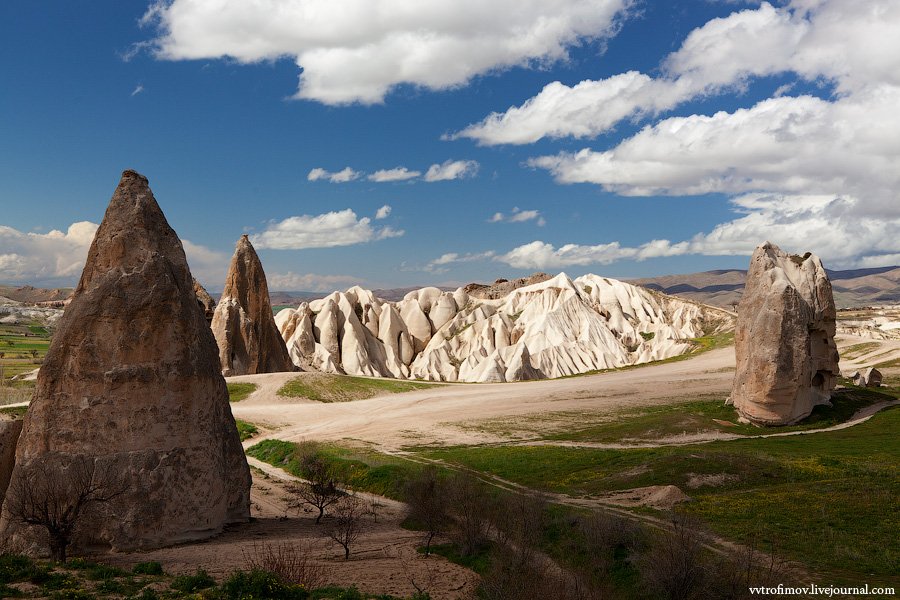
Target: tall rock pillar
[(132, 384), (787, 361)]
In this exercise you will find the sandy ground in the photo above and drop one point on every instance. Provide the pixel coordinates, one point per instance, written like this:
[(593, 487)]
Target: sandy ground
[(433, 416), (384, 560)]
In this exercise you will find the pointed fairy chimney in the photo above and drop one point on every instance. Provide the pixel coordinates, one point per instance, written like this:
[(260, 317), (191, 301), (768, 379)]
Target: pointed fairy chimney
[(243, 324), (131, 383)]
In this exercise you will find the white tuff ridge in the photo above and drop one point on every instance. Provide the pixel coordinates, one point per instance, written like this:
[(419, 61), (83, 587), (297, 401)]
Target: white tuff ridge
[(550, 329)]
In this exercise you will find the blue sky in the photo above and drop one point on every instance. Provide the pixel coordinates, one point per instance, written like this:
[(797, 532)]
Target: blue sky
[(625, 138)]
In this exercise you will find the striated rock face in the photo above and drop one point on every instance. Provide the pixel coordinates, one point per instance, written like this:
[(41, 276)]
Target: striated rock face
[(132, 382), (551, 328), (205, 301), (787, 361), (249, 341), (9, 435)]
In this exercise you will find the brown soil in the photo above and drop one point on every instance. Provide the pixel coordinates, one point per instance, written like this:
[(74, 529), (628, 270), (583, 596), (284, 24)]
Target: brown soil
[(383, 561)]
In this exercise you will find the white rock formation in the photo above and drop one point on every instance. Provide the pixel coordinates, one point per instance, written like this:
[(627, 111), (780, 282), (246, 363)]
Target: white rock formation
[(550, 329)]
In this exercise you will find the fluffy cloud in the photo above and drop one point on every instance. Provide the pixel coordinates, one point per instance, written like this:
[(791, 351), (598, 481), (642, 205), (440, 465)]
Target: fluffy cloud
[(309, 282), (518, 215), (343, 176), (789, 145), (440, 264), (383, 212), (827, 224), (451, 169), (328, 230), (395, 174), (45, 257), (57, 258), (358, 50), (850, 45)]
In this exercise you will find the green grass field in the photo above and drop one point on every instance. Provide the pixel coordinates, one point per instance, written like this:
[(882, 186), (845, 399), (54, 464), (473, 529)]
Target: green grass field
[(240, 391), (22, 348), (836, 491), (344, 388), (246, 430)]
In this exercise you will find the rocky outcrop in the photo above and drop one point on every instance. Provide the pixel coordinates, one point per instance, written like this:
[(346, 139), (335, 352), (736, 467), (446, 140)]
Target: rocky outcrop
[(245, 330), (787, 361), (870, 377), (132, 383), (9, 435), (205, 301), (551, 328)]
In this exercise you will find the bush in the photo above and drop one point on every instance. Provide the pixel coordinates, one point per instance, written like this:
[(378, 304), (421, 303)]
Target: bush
[(289, 562), (260, 585), (192, 583), (15, 567), (148, 568)]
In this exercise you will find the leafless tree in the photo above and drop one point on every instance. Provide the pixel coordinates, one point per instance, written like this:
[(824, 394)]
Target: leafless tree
[(347, 522), (56, 491), (426, 496), (322, 489)]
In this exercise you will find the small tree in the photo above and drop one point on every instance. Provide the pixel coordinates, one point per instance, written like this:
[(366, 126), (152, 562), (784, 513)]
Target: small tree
[(321, 490), (34, 353), (426, 496), (347, 524), (55, 491)]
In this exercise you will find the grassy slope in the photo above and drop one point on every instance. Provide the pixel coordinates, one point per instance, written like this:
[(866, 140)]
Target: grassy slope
[(835, 492), (712, 415), (343, 388), (358, 469), (240, 391)]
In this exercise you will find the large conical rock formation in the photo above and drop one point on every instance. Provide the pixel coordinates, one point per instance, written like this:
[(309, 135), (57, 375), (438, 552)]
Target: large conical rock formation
[(787, 361), (132, 383), (244, 326)]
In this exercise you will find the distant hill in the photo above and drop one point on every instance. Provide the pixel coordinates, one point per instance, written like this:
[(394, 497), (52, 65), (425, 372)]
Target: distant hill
[(33, 295), (854, 287)]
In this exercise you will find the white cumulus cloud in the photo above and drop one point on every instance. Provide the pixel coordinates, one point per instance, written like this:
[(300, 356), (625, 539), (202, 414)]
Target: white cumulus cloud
[(309, 282), (343, 176), (451, 169), (850, 44), (358, 50), (395, 174), (827, 225), (518, 215), (383, 212), (328, 230), (57, 258)]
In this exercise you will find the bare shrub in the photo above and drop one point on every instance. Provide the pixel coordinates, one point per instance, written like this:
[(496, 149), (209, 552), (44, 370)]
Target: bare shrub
[(55, 492), (469, 503), (428, 502), (511, 578), (290, 562), (347, 522), (744, 568), (518, 521), (675, 566)]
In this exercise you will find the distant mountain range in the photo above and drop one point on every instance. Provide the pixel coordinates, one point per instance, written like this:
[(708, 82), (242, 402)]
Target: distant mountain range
[(723, 288), (852, 288)]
